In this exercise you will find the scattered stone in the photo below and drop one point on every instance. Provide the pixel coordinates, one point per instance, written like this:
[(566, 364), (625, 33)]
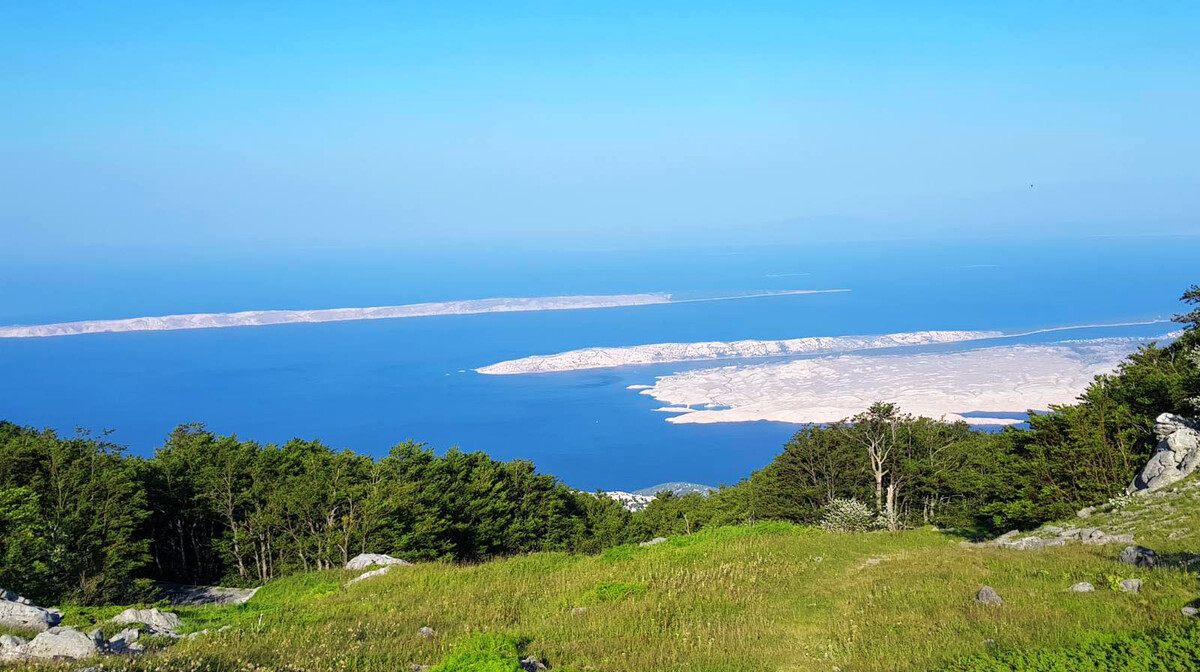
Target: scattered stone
[(579, 610), (653, 542), (1178, 533), (426, 632), (532, 664), (989, 642), (419, 668), (364, 560), (987, 595), (1175, 457), (871, 562), (1082, 587), (158, 622), (224, 628), (66, 643), (1131, 585), (366, 575), (1189, 611), (1138, 556)]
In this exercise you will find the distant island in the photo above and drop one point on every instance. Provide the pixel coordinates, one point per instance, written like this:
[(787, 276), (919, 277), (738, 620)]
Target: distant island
[(655, 353), (259, 318)]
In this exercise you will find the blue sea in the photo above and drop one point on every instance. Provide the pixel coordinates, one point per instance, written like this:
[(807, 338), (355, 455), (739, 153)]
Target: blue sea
[(369, 385)]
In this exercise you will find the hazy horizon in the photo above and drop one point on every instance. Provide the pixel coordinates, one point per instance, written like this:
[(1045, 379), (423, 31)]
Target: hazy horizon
[(234, 128)]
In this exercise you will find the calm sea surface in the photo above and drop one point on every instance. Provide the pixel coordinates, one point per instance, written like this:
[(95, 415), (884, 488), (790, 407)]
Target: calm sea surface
[(369, 385)]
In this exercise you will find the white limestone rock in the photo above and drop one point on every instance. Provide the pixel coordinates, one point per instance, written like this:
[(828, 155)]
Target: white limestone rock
[(367, 575), (365, 560), (1177, 455)]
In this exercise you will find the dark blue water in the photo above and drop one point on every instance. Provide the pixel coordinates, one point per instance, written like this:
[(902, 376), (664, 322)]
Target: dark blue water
[(369, 385)]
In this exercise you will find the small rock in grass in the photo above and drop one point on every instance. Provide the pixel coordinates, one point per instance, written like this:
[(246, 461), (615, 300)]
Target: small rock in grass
[(426, 631), (532, 664), (871, 562), (1082, 587), (579, 610), (989, 642), (653, 542), (1138, 556), (418, 668), (1189, 611), (1131, 585), (987, 595)]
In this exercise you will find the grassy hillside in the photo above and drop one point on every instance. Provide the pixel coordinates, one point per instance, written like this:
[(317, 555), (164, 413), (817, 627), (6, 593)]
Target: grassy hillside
[(765, 597)]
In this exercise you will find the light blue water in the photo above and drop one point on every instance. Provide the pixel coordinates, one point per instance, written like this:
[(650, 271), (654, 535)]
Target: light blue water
[(368, 385)]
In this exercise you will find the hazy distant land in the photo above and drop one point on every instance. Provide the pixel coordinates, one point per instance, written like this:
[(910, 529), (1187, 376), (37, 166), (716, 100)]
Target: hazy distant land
[(258, 318)]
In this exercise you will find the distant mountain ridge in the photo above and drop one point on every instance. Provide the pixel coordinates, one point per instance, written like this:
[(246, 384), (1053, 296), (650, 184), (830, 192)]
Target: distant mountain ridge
[(677, 488)]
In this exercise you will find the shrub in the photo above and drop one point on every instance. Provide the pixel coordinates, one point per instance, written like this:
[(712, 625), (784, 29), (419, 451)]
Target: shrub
[(1174, 649), (846, 515), (483, 653), (611, 591)]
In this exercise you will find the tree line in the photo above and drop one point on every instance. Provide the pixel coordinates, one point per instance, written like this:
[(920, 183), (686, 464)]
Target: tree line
[(83, 521)]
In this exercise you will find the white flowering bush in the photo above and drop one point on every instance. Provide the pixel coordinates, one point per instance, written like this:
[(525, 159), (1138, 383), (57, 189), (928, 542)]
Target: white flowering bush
[(846, 515)]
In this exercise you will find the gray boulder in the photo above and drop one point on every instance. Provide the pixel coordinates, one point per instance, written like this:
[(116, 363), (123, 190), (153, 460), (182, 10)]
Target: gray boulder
[(20, 613), (987, 595), (364, 560), (159, 622), (1176, 456), (55, 643), (1138, 556), (1131, 585), (1082, 587), (426, 632), (653, 542), (1189, 611)]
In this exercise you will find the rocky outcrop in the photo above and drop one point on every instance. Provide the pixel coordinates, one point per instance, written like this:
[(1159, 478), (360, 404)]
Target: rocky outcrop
[(19, 612), (1089, 536), (653, 542), (1177, 455), (365, 560), (184, 595)]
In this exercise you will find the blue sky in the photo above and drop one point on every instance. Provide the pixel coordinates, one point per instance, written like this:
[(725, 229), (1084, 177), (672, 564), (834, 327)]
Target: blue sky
[(260, 126)]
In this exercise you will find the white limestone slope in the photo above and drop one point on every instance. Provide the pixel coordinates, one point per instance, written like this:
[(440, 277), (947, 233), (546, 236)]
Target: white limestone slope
[(1012, 378), (607, 357)]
